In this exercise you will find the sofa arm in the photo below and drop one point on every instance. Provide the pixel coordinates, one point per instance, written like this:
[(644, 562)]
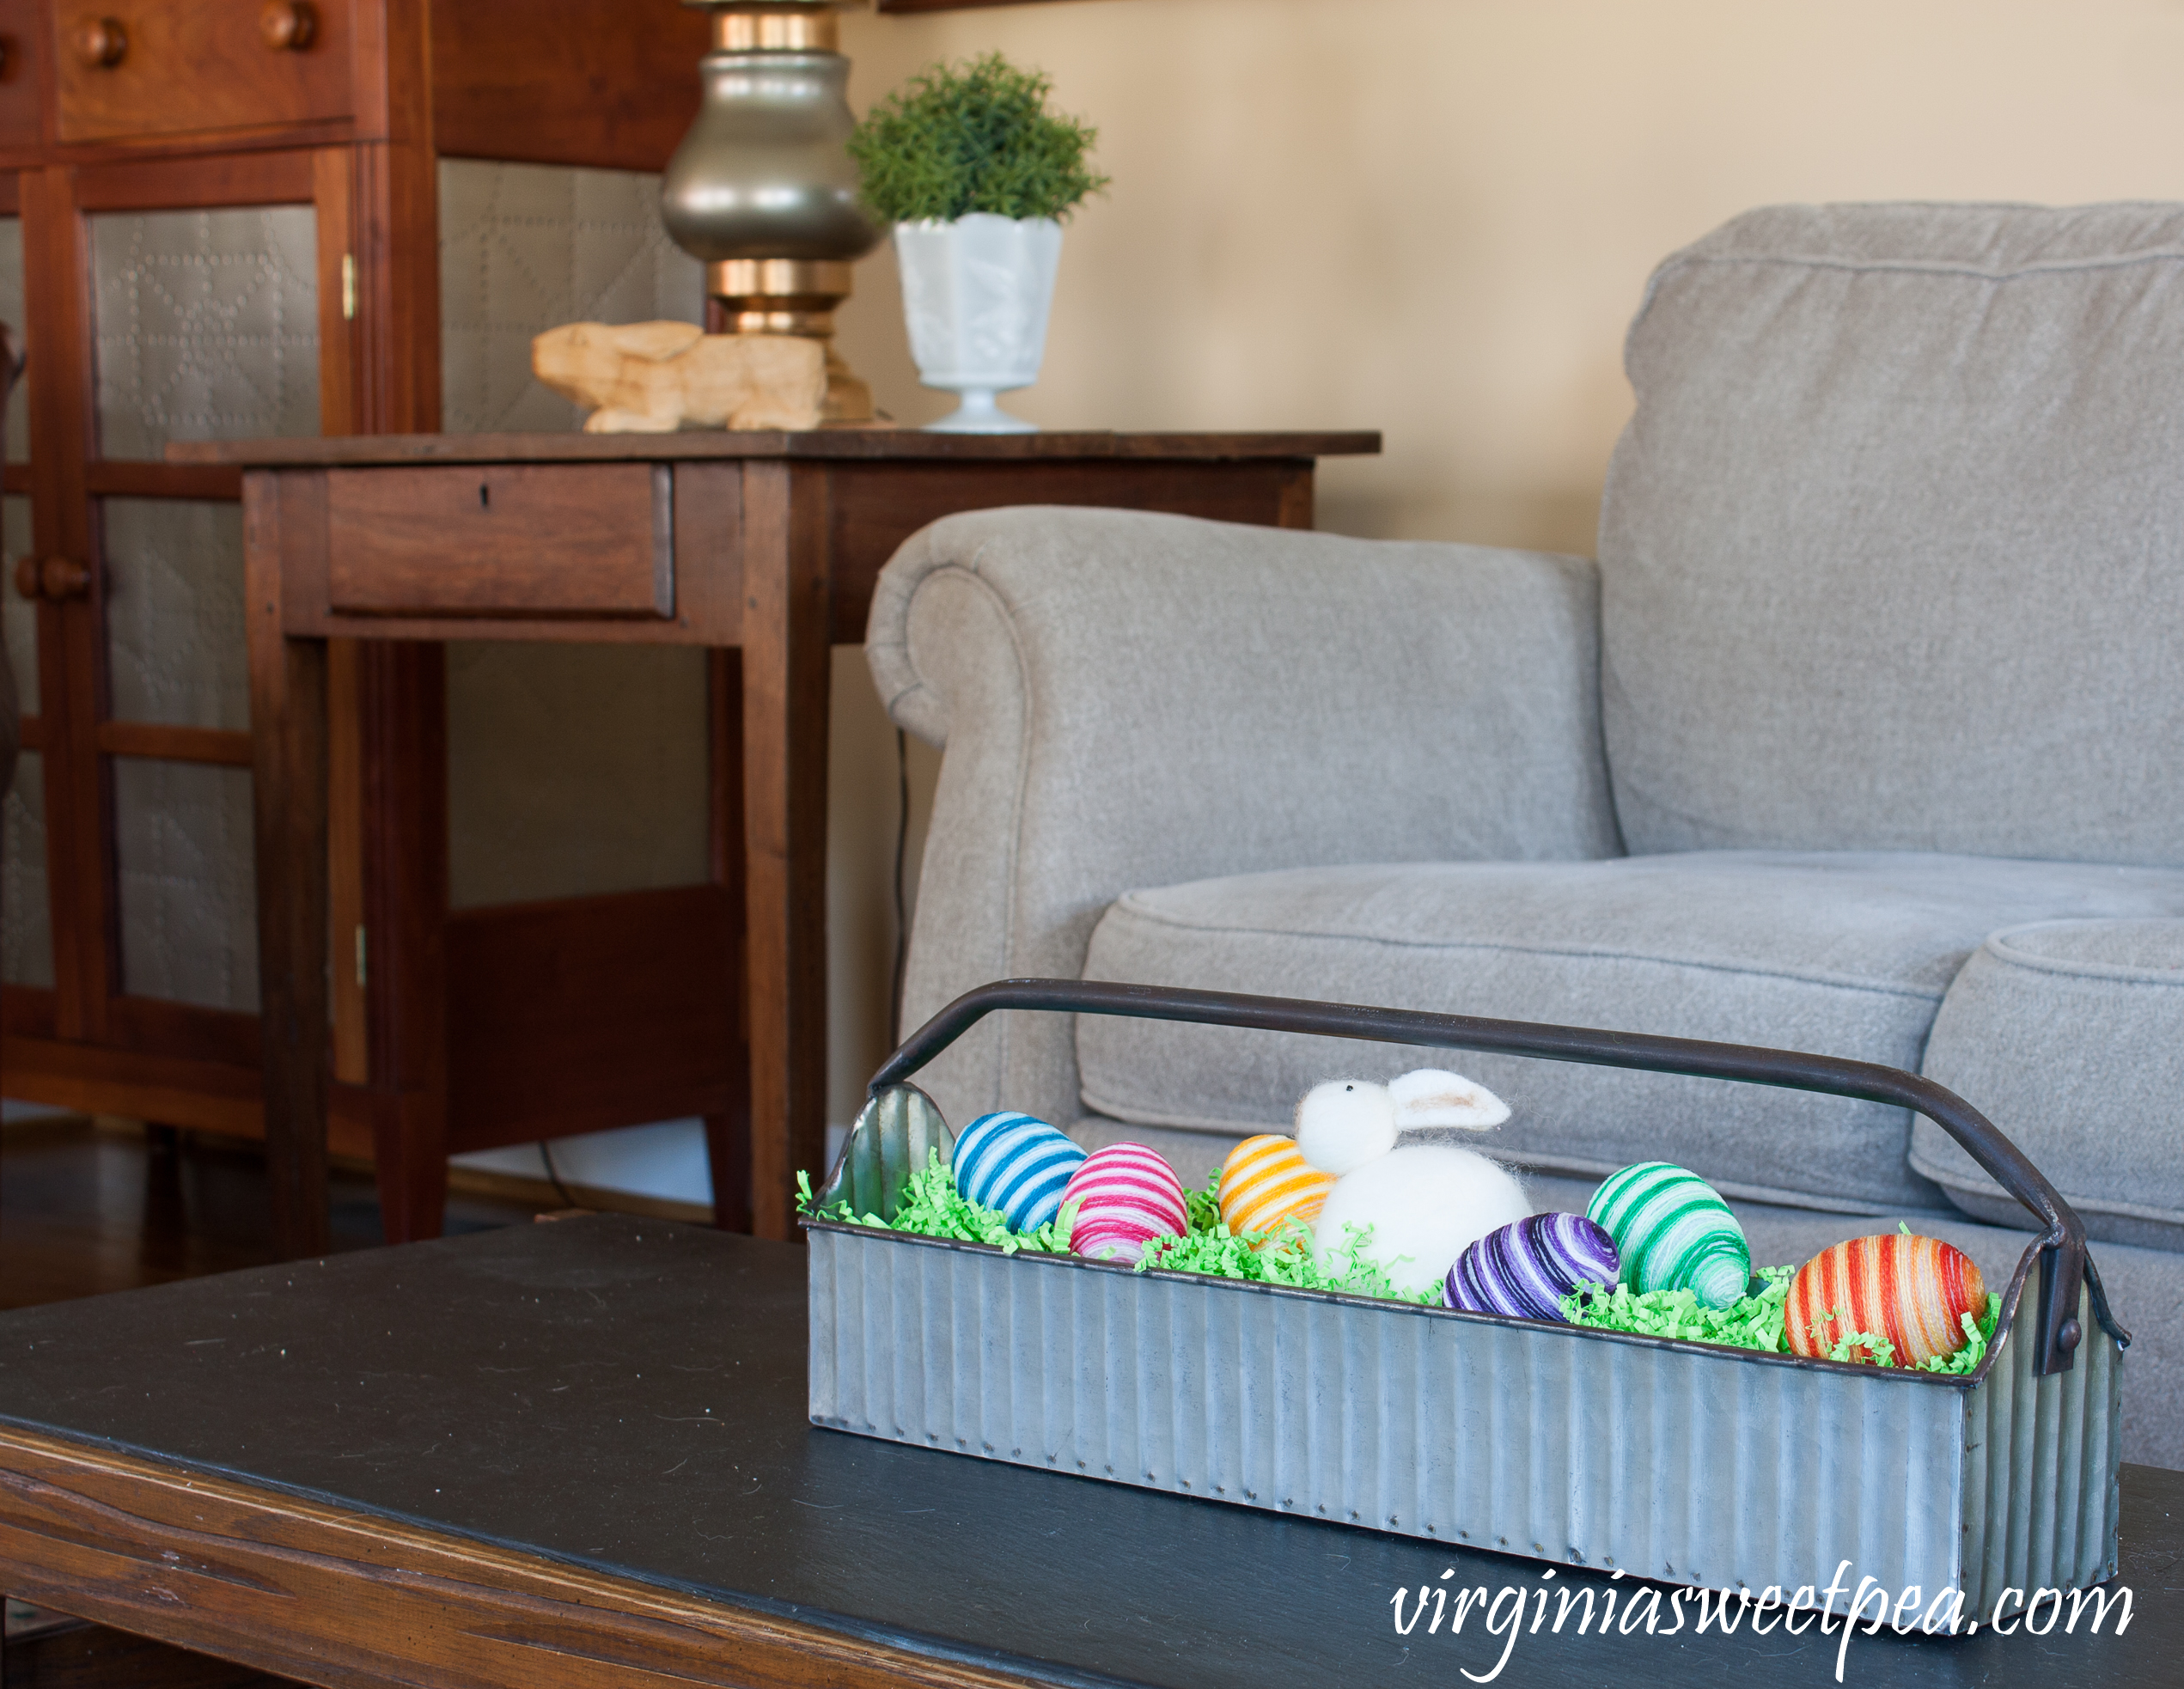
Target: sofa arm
[(1130, 699)]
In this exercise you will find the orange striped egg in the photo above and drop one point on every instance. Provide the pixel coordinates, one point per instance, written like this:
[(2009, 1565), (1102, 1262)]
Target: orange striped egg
[(1910, 1290), (1265, 1181)]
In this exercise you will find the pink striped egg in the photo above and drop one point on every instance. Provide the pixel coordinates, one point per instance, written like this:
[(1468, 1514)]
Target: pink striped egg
[(1126, 1197)]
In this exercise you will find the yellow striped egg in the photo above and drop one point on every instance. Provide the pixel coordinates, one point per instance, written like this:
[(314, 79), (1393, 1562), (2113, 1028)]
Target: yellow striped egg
[(1267, 1181)]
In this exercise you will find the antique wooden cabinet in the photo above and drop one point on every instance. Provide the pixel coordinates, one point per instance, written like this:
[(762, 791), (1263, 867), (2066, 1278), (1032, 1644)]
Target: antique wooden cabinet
[(224, 218)]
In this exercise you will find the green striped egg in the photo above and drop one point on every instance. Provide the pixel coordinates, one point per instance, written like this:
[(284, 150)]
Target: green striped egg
[(1672, 1232)]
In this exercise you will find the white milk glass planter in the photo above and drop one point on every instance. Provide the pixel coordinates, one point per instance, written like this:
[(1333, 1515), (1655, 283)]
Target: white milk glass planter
[(975, 293)]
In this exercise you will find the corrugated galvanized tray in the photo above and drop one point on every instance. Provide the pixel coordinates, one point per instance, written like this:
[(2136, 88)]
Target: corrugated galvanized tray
[(1685, 1462)]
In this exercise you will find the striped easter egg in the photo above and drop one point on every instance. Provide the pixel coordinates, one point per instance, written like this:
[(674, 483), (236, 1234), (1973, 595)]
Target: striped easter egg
[(1528, 1268), (1125, 1196), (1672, 1232), (1267, 1181), (1016, 1163), (1912, 1290)]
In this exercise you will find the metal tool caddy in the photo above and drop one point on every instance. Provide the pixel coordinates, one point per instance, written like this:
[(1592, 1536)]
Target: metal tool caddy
[(1684, 1462)]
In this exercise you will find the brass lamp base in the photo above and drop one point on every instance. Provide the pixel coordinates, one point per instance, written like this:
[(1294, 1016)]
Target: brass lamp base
[(793, 295), (764, 172)]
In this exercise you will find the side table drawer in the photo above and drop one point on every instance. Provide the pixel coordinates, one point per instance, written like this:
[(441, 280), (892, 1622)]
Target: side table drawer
[(127, 67), (518, 540)]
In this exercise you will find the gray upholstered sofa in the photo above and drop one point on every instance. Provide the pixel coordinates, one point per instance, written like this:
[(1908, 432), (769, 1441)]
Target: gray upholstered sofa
[(1864, 736)]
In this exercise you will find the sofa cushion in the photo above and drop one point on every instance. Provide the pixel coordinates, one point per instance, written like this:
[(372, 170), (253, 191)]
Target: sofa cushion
[(1892, 551), (2069, 1036), (1847, 955)]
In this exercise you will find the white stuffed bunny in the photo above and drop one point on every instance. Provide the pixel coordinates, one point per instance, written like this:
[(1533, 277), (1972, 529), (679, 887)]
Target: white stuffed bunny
[(1426, 1203)]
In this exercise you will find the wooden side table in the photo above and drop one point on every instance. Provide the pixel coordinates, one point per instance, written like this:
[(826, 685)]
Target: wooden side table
[(763, 547)]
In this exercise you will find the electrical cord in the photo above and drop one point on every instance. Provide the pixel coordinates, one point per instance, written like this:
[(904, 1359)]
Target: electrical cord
[(546, 1154)]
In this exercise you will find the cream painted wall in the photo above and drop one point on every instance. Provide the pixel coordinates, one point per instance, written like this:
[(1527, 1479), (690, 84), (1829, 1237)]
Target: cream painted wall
[(1434, 217)]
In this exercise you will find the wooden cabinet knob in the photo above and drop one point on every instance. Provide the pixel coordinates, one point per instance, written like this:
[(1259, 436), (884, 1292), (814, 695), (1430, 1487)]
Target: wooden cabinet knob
[(287, 25), (56, 579), (100, 42)]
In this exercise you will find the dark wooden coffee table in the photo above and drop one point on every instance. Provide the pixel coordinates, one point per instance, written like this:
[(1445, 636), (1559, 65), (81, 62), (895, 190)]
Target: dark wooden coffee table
[(578, 1454)]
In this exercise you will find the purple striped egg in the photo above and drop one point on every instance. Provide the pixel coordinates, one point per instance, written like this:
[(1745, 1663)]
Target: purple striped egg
[(1526, 1268)]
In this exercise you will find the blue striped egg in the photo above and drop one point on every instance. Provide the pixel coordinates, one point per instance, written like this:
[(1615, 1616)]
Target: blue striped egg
[(1016, 1163), (1528, 1268)]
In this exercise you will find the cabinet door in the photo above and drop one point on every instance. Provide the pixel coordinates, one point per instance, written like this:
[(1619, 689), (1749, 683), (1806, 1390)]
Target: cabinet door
[(26, 927), (130, 68), (205, 326)]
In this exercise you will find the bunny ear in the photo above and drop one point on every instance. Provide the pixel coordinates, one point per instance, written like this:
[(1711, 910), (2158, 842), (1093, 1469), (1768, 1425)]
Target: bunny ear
[(1432, 1096)]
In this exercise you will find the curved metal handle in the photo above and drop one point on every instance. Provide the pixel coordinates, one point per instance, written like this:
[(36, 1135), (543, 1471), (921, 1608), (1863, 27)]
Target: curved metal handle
[(100, 42), (288, 26), (2064, 1266)]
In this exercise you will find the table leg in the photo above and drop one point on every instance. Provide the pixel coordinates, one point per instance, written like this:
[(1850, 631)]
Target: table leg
[(785, 683), (405, 907), (287, 714)]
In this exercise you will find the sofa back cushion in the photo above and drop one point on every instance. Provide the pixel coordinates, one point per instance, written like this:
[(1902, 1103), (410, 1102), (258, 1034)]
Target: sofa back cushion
[(1892, 551)]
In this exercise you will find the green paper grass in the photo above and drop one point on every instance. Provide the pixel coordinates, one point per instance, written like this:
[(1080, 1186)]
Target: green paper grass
[(1757, 1322), (932, 1207), (1750, 1322), (1212, 1249)]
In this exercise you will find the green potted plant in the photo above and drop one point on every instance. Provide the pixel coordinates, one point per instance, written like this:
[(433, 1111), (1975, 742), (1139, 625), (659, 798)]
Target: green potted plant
[(976, 175)]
